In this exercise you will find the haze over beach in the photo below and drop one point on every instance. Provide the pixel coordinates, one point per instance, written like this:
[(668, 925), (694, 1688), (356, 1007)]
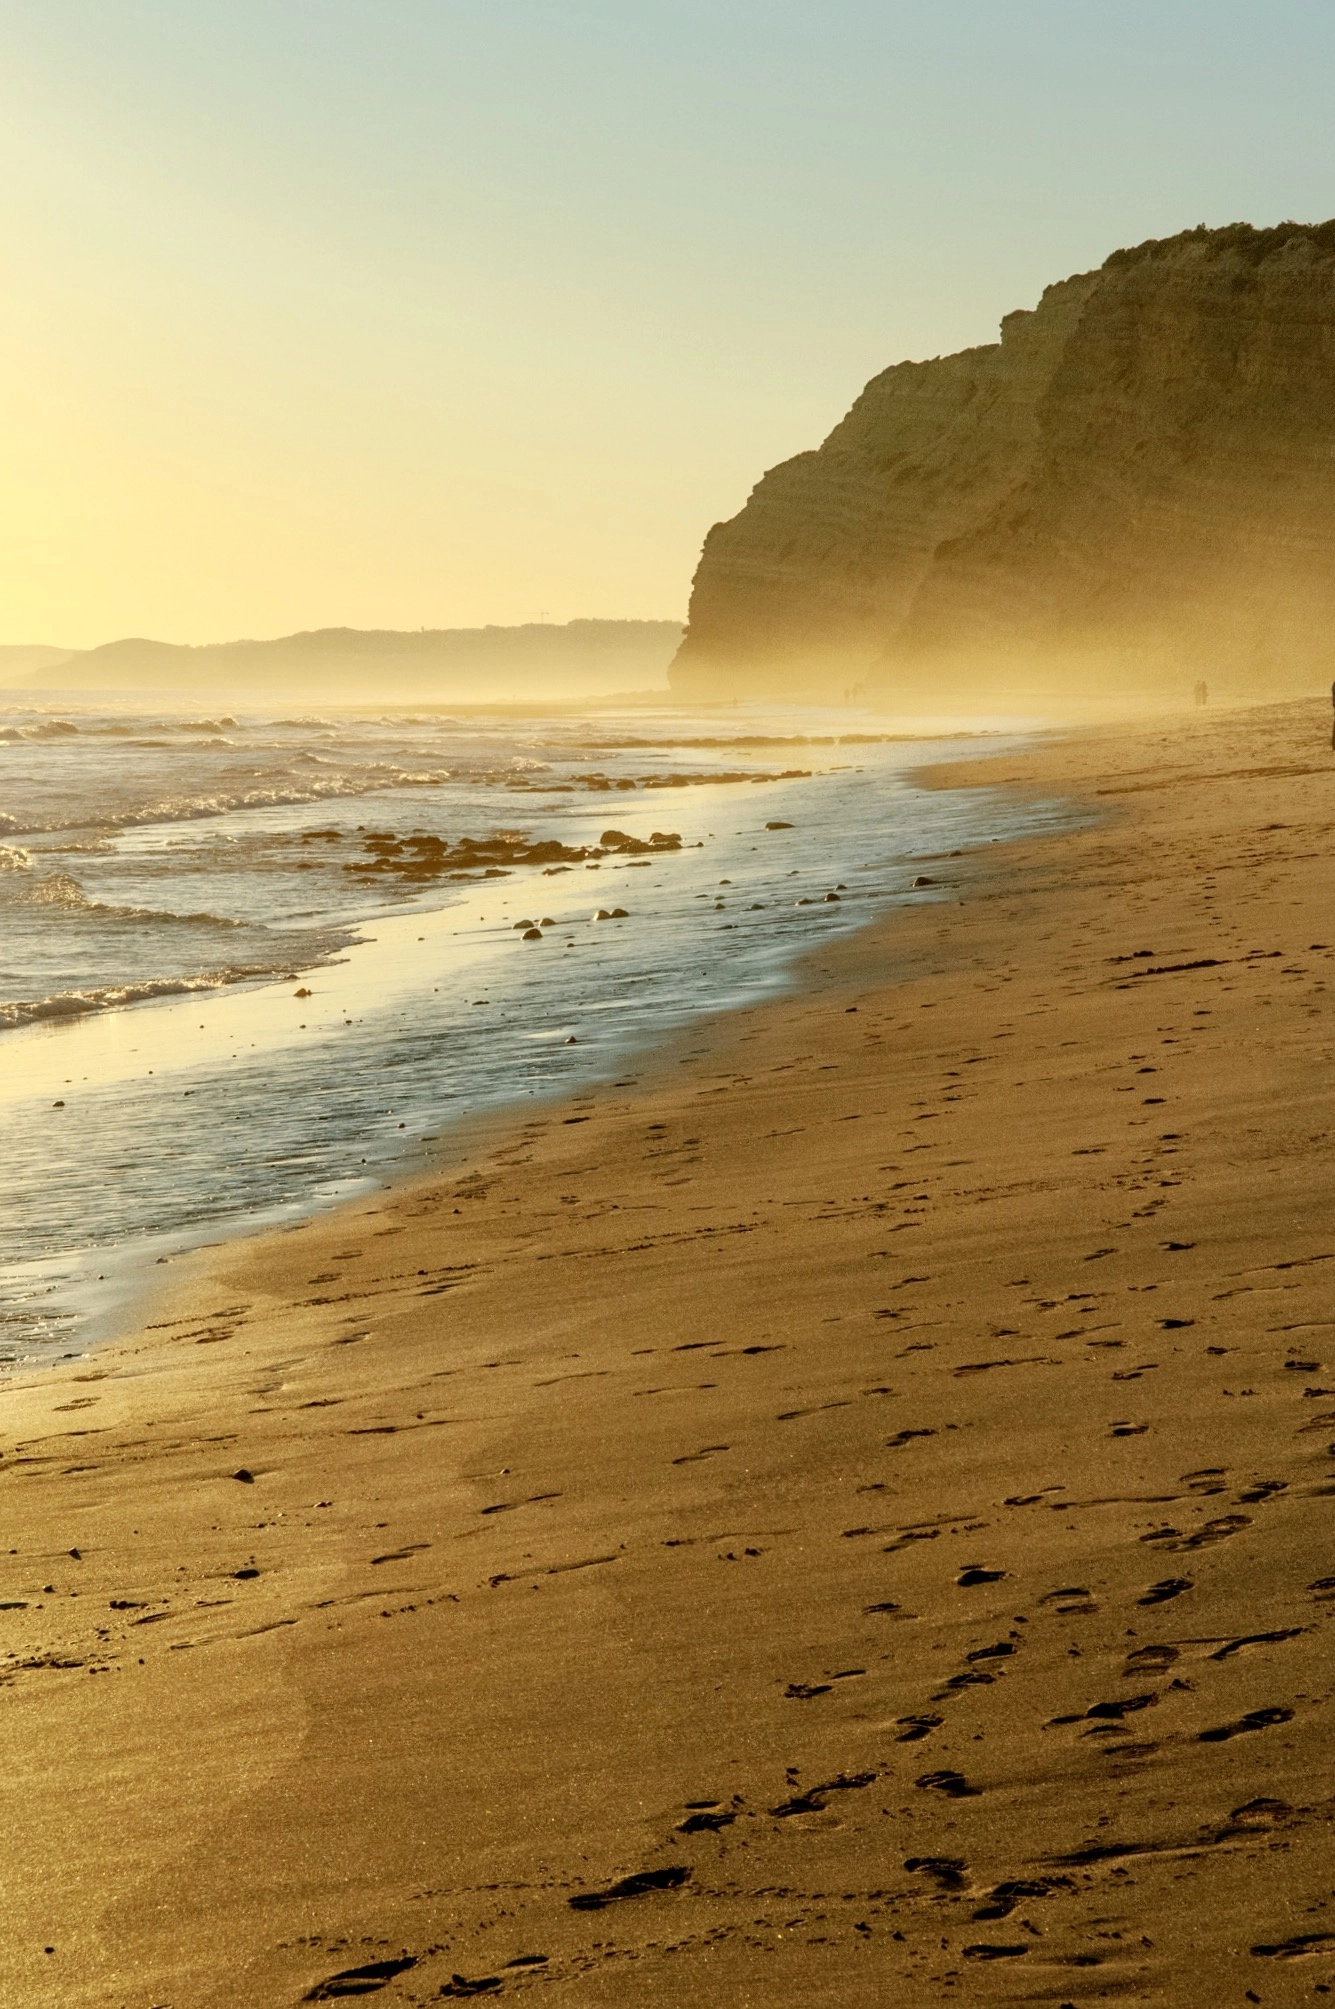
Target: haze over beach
[(666, 744)]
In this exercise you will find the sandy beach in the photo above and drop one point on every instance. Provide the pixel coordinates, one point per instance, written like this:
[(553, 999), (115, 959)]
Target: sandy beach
[(848, 1519)]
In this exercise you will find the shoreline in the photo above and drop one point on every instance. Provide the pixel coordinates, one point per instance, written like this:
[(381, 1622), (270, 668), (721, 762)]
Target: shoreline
[(391, 972), (830, 1646)]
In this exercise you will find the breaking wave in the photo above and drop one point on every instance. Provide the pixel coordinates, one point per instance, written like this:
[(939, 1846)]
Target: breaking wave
[(44, 729), (273, 795), (59, 890), (56, 890), (73, 1004)]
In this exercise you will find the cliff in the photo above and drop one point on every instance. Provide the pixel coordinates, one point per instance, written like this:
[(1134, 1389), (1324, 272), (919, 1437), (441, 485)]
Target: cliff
[(1135, 487), (364, 665)]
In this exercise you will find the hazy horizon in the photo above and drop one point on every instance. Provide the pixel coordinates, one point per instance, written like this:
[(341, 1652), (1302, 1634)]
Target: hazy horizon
[(10, 647), (456, 315)]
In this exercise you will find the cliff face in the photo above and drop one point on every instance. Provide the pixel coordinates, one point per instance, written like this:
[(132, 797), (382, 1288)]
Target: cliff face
[(1136, 484)]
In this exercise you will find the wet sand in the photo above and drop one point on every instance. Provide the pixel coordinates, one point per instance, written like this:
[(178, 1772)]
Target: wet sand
[(870, 1485)]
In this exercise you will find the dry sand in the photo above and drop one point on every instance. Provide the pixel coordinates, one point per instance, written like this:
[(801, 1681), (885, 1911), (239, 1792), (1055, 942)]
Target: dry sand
[(874, 1477)]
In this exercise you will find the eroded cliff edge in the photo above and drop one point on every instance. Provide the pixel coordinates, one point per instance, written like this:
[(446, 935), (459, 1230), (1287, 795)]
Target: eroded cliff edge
[(1135, 486)]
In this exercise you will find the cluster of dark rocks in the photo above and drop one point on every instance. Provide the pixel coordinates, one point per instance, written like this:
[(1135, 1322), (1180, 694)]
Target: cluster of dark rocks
[(420, 857)]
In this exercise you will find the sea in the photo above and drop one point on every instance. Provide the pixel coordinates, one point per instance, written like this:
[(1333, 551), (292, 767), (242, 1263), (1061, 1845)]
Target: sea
[(254, 963)]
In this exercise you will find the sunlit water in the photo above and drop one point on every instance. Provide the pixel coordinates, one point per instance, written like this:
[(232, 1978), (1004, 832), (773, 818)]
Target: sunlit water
[(215, 1015)]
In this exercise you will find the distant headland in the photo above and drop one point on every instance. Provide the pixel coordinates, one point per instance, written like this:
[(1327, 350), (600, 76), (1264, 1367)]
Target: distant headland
[(539, 660)]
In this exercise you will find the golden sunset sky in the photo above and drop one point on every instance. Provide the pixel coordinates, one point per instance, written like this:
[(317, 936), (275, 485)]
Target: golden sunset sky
[(436, 312)]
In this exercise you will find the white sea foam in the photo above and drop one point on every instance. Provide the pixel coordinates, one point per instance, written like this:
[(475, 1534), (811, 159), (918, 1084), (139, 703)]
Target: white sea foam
[(112, 997)]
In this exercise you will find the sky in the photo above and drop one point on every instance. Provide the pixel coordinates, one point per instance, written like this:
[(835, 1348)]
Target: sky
[(431, 313)]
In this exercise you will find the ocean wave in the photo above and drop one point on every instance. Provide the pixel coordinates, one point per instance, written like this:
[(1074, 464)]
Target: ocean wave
[(13, 858), (75, 1004), (56, 890), (216, 743), (194, 808), (189, 808), (55, 728)]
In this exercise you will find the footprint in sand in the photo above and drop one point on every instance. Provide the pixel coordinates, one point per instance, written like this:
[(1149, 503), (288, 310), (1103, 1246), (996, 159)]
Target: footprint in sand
[(1150, 1659), (1106, 1712), (711, 1815), (1299, 1948), (1205, 1537), (950, 1872), (1072, 1601), (953, 1784), (1265, 1490), (368, 1980), (1247, 1639), (1006, 1896), (803, 1691), (1170, 1587), (641, 1884), (813, 1800), (1255, 1719)]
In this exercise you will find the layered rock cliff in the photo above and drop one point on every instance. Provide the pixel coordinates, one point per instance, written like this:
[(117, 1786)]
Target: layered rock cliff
[(1135, 485)]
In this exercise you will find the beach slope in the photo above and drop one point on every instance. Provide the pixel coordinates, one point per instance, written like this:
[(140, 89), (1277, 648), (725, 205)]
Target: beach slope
[(850, 1519)]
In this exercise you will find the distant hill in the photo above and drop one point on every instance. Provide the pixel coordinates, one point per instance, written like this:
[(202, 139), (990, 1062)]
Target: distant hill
[(1133, 489), (20, 660), (360, 665)]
